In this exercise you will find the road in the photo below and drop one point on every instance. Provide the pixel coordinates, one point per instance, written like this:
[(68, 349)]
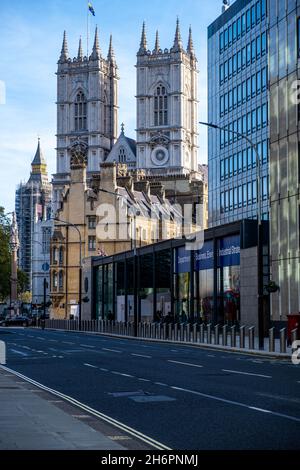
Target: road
[(182, 396)]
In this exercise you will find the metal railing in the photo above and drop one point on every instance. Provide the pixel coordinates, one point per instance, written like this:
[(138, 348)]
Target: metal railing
[(231, 337)]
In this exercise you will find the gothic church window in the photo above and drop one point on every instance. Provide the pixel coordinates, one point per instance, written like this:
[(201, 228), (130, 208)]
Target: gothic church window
[(122, 155), (80, 112), (161, 106)]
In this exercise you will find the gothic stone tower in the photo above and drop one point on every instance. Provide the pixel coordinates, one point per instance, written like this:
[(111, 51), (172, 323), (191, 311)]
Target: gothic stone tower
[(87, 110), (167, 107)]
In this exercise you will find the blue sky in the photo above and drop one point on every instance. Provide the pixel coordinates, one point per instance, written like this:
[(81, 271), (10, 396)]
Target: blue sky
[(31, 37)]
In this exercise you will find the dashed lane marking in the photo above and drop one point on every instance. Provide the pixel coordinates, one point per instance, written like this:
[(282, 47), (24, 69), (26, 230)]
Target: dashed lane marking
[(186, 364), (247, 373)]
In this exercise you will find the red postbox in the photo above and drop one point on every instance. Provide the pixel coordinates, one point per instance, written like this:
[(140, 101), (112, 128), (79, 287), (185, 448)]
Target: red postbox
[(293, 324)]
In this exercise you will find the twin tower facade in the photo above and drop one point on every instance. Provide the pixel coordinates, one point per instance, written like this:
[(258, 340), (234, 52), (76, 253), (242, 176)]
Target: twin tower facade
[(87, 108)]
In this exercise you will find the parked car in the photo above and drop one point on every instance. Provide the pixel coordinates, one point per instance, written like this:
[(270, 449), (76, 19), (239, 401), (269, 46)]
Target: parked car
[(16, 321)]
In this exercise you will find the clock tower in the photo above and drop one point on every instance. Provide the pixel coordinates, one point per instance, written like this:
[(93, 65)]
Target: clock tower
[(167, 104)]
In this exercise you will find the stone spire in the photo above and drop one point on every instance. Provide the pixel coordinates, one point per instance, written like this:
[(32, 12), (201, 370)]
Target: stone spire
[(96, 54), (177, 46), (157, 45), (143, 45), (111, 53), (64, 55), (80, 51), (38, 165), (190, 47)]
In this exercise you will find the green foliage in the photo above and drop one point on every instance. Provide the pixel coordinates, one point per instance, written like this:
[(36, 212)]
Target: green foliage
[(22, 281), (4, 256)]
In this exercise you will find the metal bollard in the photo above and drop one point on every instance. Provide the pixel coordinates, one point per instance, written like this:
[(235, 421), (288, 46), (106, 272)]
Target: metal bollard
[(164, 331), (272, 340), (176, 332), (188, 332), (242, 337), (233, 337), (224, 334), (294, 337), (202, 333), (251, 337), (217, 332), (209, 335), (195, 333)]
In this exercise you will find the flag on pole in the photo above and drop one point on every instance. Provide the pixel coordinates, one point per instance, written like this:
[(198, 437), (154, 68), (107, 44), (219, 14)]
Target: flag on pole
[(91, 9)]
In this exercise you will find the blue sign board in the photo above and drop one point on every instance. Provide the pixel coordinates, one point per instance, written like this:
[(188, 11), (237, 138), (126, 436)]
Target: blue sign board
[(229, 252), (183, 261), (204, 258)]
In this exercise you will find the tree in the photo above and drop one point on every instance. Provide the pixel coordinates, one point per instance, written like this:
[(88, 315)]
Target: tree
[(22, 281), (5, 268)]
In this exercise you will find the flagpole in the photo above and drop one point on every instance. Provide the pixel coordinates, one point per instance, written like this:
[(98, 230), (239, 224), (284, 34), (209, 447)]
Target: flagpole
[(87, 28)]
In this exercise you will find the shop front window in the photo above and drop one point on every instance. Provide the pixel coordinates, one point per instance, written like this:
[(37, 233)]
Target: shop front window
[(163, 284), (146, 290), (229, 280), (204, 283), (99, 293), (182, 285)]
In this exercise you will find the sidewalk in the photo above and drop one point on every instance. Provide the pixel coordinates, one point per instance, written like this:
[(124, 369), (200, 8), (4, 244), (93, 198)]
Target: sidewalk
[(29, 422)]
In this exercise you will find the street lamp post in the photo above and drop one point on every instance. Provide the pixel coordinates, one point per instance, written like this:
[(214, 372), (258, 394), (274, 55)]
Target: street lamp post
[(135, 215), (259, 225), (69, 224), (44, 282)]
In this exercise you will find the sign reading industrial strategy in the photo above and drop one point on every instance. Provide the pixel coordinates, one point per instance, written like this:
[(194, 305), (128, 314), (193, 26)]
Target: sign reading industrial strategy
[(204, 258), (229, 252)]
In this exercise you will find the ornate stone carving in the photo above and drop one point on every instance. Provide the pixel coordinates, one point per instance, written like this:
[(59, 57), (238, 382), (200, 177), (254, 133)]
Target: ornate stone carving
[(79, 154), (159, 139)]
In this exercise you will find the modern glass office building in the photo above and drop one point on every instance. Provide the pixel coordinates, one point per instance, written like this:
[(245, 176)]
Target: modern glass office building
[(216, 284), (285, 156), (238, 99)]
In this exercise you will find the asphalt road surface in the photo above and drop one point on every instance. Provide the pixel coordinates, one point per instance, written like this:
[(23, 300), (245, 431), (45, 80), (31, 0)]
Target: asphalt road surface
[(182, 396)]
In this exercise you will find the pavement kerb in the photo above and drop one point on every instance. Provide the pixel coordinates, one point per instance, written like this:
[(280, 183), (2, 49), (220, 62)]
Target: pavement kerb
[(214, 347)]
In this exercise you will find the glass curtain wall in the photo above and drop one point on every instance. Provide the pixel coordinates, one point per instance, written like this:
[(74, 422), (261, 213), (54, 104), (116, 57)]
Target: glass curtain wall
[(229, 280)]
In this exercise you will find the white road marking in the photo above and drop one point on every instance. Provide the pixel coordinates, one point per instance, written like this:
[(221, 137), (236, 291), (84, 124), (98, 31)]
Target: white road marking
[(141, 355), (186, 364), (111, 350), (42, 339), (210, 355), (19, 352), (67, 342), (90, 365), (161, 384), (86, 346), (104, 370), (144, 380), (236, 403), (133, 432), (259, 409), (247, 373), (123, 375)]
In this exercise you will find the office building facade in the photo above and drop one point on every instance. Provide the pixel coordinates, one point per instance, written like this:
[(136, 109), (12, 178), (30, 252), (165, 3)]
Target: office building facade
[(284, 156), (238, 100)]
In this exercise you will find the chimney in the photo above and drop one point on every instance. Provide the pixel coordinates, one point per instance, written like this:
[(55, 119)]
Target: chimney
[(108, 176)]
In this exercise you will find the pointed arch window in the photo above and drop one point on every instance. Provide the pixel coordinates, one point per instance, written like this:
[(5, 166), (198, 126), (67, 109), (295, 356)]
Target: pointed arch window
[(80, 112), (161, 106), (122, 155), (61, 280)]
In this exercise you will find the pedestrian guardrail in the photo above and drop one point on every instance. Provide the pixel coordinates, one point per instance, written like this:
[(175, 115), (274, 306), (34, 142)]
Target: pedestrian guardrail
[(233, 336)]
